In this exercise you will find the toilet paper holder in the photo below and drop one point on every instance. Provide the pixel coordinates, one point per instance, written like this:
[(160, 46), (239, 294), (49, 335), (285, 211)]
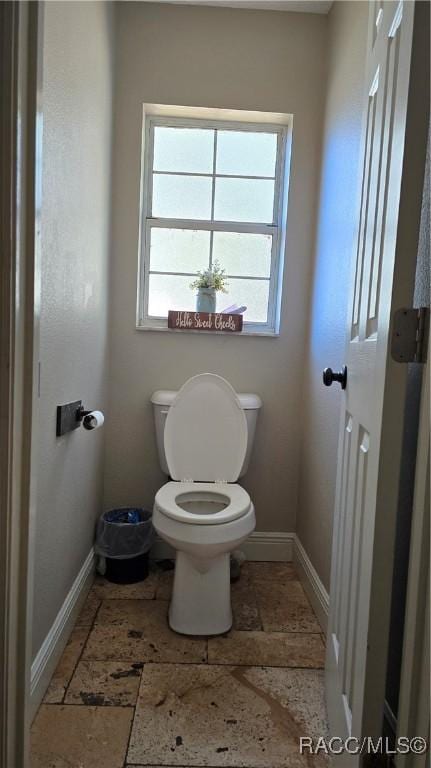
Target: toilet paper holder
[(71, 415)]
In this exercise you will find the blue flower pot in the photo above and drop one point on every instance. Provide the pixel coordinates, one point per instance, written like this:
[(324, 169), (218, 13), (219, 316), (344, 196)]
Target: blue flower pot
[(206, 300)]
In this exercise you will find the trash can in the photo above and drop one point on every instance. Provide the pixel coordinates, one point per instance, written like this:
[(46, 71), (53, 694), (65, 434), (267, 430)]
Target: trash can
[(123, 541)]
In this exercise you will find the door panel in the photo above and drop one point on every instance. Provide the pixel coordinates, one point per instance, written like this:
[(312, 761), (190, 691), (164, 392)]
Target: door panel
[(381, 210)]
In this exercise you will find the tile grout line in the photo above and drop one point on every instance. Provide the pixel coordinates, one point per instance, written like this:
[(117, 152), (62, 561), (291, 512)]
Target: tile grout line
[(132, 722), (260, 665), (194, 664), (90, 706), (223, 635), (90, 627)]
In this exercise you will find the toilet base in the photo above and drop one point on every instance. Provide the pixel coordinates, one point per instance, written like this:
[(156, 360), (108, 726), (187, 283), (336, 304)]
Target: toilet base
[(200, 602)]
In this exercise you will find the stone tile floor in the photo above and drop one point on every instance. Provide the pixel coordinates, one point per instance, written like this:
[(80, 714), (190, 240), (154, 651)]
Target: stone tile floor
[(128, 692)]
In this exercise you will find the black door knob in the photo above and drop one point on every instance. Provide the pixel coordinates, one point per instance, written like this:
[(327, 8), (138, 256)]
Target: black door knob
[(329, 376)]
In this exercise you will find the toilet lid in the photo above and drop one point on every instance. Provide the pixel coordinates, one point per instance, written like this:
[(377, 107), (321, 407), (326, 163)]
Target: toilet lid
[(205, 431)]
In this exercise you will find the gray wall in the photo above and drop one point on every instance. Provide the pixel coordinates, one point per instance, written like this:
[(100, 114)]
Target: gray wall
[(73, 322), (226, 58), (330, 282)]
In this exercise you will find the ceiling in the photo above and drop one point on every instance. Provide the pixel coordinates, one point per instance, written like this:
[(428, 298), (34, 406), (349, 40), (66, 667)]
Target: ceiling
[(302, 6)]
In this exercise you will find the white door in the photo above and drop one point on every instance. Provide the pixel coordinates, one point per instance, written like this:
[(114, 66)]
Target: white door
[(393, 158)]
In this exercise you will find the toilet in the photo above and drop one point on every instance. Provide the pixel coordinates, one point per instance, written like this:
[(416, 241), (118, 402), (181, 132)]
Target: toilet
[(204, 437)]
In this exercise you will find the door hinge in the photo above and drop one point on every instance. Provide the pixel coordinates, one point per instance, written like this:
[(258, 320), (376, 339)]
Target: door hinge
[(410, 335)]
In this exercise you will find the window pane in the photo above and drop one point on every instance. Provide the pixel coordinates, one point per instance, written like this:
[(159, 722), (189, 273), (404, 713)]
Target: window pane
[(251, 293), (244, 200), (244, 153), (183, 149), (241, 253), (179, 250), (182, 197), (169, 292)]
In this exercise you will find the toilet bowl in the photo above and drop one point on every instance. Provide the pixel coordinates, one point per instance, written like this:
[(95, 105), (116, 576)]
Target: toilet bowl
[(202, 513)]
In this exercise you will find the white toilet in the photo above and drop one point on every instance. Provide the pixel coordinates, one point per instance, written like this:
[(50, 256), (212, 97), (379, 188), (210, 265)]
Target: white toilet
[(204, 435)]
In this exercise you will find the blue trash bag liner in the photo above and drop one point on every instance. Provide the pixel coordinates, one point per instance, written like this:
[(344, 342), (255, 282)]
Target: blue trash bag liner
[(124, 533), (126, 515)]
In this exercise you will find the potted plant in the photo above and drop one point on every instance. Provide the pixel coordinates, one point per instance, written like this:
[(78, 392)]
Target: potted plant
[(207, 283)]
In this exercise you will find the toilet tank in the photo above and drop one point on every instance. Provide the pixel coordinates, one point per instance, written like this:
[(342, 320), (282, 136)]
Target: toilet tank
[(162, 401)]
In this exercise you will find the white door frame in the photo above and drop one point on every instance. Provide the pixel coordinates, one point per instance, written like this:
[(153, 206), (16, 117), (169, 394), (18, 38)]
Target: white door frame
[(414, 704), (20, 133)]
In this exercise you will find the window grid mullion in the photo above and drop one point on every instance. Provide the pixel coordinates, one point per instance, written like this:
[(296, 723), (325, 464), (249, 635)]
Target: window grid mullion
[(211, 247), (193, 274), (210, 175), (213, 195)]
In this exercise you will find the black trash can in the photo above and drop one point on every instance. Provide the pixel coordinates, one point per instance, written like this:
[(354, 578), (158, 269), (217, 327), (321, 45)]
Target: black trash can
[(123, 541)]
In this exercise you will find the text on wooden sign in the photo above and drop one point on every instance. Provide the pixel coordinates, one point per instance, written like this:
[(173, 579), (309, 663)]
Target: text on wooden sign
[(204, 321)]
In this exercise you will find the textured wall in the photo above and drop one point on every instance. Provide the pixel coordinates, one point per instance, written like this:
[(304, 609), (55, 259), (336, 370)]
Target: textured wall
[(75, 262), (227, 58), (330, 283)]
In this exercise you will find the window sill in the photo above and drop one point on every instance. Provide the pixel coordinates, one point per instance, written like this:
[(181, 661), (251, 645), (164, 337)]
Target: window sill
[(244, 332)]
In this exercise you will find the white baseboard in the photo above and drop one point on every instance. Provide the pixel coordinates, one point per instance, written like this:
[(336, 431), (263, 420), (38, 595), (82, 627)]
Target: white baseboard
[(260, 545), (52, 647), (272, 546), (312, 584)]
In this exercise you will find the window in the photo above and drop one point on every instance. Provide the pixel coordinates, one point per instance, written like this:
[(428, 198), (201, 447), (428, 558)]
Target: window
[(212, 191)]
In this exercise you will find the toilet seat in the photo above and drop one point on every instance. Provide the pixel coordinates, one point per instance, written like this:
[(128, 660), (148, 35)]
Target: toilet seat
[(205, 433), (236, 498)]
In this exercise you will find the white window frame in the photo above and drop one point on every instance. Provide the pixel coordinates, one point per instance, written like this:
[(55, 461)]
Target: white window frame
[(277, 228)]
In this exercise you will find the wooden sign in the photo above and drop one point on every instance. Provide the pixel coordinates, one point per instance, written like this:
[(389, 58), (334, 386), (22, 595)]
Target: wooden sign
[(204, 321)]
